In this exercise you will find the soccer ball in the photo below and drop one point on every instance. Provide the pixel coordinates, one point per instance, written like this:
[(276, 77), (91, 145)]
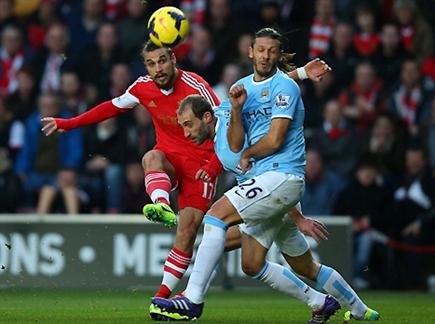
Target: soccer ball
[(168, 26)]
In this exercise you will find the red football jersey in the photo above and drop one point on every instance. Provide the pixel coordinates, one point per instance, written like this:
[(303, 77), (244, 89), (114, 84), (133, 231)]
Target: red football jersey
[(162, 106)]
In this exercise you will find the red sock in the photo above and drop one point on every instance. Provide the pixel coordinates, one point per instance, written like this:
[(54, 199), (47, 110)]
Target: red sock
[(175, 266), (158, 186)]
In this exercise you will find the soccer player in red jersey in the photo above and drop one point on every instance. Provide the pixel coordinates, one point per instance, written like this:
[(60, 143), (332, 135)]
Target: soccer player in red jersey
[(175, 161)]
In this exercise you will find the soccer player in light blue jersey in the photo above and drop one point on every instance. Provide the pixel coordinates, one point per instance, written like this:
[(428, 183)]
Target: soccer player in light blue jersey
[(275, 160)]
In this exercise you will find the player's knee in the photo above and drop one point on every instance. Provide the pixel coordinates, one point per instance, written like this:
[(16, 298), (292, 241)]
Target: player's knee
[(151, 158), (251, 268)]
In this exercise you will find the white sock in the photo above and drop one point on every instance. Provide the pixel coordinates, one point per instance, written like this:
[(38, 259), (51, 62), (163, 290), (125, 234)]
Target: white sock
[(282, 279), (208, 255), (212, 276), (333, 283)]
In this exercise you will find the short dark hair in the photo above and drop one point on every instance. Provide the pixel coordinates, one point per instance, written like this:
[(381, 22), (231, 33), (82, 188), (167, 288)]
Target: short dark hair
[(197, 103), (149, 46)]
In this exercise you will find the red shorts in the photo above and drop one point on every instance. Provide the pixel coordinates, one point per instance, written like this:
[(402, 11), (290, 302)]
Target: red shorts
[(191, 193)]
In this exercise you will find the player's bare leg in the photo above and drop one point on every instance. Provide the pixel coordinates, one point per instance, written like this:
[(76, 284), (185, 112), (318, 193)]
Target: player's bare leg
[(329, 279), (159, 175)]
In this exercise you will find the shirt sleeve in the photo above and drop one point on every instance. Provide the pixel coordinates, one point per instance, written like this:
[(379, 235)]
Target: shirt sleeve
[(286, 99), (128, 99)]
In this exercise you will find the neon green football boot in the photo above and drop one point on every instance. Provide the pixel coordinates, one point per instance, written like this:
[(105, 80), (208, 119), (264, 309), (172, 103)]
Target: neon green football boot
[(161, 213), (369, 315)]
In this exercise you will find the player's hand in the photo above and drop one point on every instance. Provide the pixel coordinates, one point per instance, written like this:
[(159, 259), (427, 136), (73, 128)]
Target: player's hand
[(237, 96), (245, 163), (316, 69), (203, 175), (313, 228), (50, 125)]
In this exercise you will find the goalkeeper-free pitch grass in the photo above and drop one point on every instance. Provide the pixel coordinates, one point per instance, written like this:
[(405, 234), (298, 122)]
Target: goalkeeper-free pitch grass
[(249, 306)]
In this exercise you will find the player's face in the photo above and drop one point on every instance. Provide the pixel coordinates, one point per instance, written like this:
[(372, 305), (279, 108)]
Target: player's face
[(265, 54), (195, 129), (161, 67)]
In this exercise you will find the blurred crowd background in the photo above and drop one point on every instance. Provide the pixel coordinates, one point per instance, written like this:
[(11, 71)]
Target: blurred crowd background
[(370, 124)]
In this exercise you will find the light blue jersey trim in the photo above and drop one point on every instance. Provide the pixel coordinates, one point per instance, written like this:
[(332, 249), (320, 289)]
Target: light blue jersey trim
[(211, 220)]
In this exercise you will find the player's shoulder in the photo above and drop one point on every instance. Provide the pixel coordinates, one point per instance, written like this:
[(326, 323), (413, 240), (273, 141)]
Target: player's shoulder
[(283, 82), (143, 81), (192, 77)]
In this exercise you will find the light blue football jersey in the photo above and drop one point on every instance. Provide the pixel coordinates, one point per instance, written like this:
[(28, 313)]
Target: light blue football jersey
[(228, 158), (276, 97)]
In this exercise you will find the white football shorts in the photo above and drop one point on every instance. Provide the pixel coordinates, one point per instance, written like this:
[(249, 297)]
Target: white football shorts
[(266, 197), (283, 232)]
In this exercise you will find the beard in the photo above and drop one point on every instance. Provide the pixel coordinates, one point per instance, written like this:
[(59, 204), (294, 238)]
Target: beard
[(264, 73), (203, 135)]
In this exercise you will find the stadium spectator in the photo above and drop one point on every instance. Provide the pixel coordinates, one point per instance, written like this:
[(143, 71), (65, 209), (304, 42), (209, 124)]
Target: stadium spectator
[(49, 163), (365, 200), (385, 146), (242, 58), (7, 16), (366, 40), (342, 56), (224, 29), (270, 15), (413, 209), (336, 140), (316, 95), (83, 25), (12, 58), (40, 21), (105, 152), (321, 186), (23, 101), (202, 57), (72, 93), (120, 79), (430, 138), (414, 30), (96, 66), (133, 198), (49, 61), (10, 141), (140, 135), (130, 29), (390, 55), (230, 74), (364, 99), (409, 100), (322, 28)]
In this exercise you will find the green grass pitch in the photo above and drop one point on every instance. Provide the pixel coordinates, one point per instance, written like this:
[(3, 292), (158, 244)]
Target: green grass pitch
[(248, 306)]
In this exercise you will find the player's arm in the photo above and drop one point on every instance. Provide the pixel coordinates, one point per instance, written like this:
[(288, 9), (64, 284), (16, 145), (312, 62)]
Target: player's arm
[(236, 131), (103, 111), (308, 226), (210, 170), (313, 70)]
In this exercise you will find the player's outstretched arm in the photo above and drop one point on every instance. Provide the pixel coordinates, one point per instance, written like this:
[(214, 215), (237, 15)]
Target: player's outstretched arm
[(313, 70), (97, 114), (308, 226), (236, 131)]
